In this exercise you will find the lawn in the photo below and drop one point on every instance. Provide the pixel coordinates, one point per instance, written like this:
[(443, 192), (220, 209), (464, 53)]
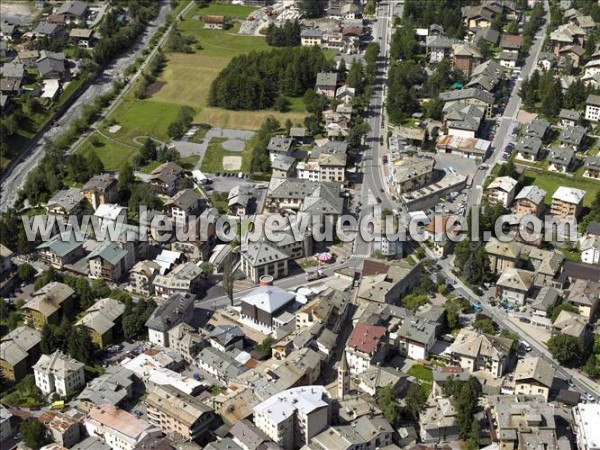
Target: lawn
[(213, 159), (187, 79), (112, 154), (421, 372), (551, 181), (227, 10)]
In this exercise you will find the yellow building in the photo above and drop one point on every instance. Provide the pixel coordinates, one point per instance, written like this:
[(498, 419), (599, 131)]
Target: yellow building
[(48, 305), (101, 319)]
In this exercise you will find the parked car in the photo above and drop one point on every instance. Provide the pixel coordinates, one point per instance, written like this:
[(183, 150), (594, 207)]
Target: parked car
[(524, 320)]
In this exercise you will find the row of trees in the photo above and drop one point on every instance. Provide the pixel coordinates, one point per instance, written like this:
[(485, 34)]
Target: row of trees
[(260, 154), (155, 67), (255, 80), (179, 43), (546, 91), (401, 99), (182, 123), (150, 152), (287, 35), (536, 19)]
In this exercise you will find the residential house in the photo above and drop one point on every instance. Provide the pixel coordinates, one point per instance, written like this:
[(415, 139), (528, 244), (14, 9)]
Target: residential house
[(439, 47), (546, 299), (61, 249), (65, 203), (142, 276), (101, 189), (571, 324), (186, 341), (48, 305), (183, 279), (473, 352), (166, 177), (200, 236), (569, 118), (561, 159), (538, 128), (528, 148), (305, 196), (502, 190), (510, 45), (49, 30), (263, 258), (82, 37), (366, 346), (58, 373), (73, 10), (283, 166), (262, 305), (326, 84), (387, 281), (572, 137), (183, 205), (241, 201), (572, 53), (6, 427), (589, 246), (293, 417), (488, 35), (280, 145), (379, 377), (103, 320), (248, 437), (118, 428), (13, 75), (464, 147), (416, 337), (480, 16), (51, 65), (566, 35), (28, 57), (592, 108), (585, 296), (529, 200), (486, 76), (179, 308), (311, 37), (221, 366), (214, 22), (592, 167), (437, 232), (546, 60), (465, 58), (514, 286), (19, 350), (567, 202), (178, 414)]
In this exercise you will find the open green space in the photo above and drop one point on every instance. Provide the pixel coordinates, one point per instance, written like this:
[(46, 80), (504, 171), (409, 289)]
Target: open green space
[(551, 181), (421, 372), (213, 159), (112, 154)]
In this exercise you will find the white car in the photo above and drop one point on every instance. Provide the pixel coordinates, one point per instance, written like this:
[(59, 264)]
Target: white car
[(589, 397)]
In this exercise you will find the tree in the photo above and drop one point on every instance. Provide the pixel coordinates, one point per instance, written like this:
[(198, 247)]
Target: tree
[(100, 289), (552, 99), (356, 76), (26, 272), (566, 349), (264, 348), (466, 406), (312, 9), (386, 400), (282, 104), (228, 279), (148, 150), (416, 399), (207, 269), (48, 342), (80, 345), (484, 326), (452, 317), (34, 433), (435, 108), (126, 182), (414, 301), (556, 310), (342, 70)]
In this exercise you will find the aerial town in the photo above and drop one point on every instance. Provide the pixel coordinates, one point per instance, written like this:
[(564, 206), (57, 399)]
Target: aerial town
[(300, 224)]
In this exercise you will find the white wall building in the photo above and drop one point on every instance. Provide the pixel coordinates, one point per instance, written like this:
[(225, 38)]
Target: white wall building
[(292, 417), (586, 418), (58, 373)]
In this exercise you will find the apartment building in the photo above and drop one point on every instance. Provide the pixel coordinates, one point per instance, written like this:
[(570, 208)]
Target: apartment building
[(142, 276), (514, 285), (502, 190), (48, 305), (179, 308), (366, 346), (178, 414), (293, 417), (58, 373), (183, 279), (473, 351), (100, 189), (19, 350), (103, 320), (503, 255), (567, 202), (119, 429), (65, 429), (529, 201), (585, 426), (411, 173)]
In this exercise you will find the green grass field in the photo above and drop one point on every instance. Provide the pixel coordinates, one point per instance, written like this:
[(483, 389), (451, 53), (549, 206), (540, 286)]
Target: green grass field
[(551, 181), (112, 155), (421, 372)]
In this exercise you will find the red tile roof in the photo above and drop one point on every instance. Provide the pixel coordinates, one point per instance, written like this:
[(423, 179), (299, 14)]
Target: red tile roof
[(365, 338)]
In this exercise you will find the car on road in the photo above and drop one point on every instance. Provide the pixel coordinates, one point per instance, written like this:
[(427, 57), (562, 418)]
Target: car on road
[(378, 199), (524, 320)]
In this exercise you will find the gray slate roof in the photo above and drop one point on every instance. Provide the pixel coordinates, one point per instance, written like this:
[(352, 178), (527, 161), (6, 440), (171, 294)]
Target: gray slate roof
[(171, 313)]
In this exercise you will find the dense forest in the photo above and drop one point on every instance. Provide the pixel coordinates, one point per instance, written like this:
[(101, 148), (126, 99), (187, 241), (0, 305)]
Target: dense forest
[(446, 13), (256, 80), (287, 35)]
